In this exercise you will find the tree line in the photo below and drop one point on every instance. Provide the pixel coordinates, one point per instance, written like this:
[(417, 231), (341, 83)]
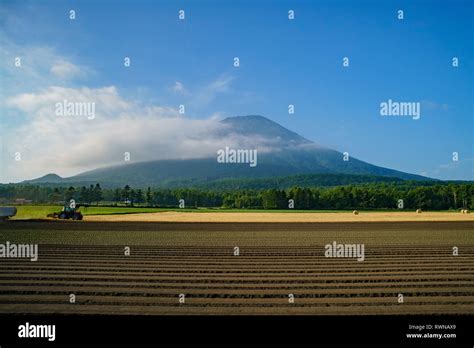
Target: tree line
[(412, 195)]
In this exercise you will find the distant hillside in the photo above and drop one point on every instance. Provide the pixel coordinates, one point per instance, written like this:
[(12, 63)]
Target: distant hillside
[(305, 180), (286, 154), (48, 178)]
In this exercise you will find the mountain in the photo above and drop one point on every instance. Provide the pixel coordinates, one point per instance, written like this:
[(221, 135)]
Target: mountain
[(259, 126), (281, 153), (47, 179)]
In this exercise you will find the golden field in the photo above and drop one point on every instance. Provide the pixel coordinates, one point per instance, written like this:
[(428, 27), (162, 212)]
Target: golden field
[(251, 217)]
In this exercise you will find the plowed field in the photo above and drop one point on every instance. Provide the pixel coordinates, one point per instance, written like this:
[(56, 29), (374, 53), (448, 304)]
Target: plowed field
[(87, 259)]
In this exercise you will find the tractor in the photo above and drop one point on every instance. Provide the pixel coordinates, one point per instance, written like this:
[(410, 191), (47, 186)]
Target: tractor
[(69, 211)]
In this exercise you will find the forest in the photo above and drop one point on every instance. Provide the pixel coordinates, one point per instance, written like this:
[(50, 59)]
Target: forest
[(380, 195)]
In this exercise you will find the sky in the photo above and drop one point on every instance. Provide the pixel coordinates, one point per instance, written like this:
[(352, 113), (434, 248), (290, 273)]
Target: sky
[(190, 62)]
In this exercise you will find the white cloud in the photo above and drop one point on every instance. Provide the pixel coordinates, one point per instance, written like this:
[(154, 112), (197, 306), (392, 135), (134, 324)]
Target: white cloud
[(178, 87), (431, 105), (40, 66), (41, 105), (221, 84), (67, 145), (65, 70), (207, 94), (464, 168)]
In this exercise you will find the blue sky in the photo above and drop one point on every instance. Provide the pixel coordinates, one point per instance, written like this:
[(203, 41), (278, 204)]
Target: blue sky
[(282, 62)]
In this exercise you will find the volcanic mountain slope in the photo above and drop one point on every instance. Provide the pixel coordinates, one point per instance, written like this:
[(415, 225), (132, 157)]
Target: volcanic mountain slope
[(281, 152)]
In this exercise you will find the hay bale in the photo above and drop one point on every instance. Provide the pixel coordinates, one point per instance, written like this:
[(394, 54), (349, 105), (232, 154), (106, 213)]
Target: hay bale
[(355, 212), (419, 211)]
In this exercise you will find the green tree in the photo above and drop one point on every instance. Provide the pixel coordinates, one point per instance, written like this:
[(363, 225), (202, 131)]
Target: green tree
[(117, 196), (69, 194), (139, 197), (55, 196), (84, 195), (149, 196), (126, 195), (97, 194)]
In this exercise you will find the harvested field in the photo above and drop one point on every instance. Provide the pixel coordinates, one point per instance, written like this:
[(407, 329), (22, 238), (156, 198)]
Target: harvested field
[(172, 216), (276, 259)]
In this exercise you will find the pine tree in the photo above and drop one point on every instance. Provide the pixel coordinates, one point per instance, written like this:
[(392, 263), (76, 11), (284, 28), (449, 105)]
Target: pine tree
[(149, 196)]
